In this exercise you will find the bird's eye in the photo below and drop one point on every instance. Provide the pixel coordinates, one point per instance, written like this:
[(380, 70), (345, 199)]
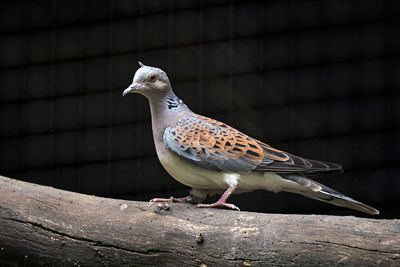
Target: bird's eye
[(152, 78)]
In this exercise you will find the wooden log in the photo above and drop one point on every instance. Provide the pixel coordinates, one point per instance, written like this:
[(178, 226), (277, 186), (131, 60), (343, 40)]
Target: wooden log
[(44, 226)]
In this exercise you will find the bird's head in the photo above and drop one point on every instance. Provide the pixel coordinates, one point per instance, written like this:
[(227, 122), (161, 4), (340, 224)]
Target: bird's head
[(149, 81)]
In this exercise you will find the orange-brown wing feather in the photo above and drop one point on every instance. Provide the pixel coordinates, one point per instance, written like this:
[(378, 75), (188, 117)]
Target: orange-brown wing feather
[(213, 144), (279, 161), (203, 139)]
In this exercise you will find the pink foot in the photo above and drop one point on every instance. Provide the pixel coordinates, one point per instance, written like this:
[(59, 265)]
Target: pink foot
[(221, 203), (218, 205), (171, 199)]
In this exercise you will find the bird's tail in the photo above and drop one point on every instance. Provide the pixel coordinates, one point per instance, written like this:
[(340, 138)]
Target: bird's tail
[(315, 190)]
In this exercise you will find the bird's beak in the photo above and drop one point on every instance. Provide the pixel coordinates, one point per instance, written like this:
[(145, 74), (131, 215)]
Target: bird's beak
[(131, 89)]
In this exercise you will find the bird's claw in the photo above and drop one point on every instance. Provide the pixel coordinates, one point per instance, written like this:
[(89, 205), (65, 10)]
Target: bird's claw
[(171, 199)]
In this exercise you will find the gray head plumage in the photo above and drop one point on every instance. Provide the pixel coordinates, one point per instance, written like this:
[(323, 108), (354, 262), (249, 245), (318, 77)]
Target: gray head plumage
[(150, 81)]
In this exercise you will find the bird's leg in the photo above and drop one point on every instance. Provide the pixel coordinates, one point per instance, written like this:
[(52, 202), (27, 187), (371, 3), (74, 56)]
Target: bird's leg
[(188, 199), (222, 200)]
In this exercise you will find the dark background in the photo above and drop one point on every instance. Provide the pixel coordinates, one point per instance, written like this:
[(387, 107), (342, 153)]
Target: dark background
[(316, 78)]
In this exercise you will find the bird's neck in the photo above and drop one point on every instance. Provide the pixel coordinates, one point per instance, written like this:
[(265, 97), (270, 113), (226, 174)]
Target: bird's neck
[(165, 111)]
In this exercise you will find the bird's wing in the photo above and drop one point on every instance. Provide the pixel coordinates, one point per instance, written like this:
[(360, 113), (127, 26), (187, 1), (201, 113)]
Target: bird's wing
[(215, 145), (296, 164), (212, 144)]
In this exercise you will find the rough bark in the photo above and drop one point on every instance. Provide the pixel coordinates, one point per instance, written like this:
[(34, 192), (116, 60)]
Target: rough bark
[(44, 226)]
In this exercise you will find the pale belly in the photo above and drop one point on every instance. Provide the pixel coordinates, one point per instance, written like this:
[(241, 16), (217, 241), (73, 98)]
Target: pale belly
[(200, 178)]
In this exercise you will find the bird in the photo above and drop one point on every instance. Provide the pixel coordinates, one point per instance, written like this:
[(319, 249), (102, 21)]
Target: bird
[(213, 158)]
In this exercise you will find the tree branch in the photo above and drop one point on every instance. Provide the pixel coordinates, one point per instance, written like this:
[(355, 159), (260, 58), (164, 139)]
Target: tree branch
[(44, 226)]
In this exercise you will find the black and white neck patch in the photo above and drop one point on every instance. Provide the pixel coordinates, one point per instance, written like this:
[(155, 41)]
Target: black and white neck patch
[(173, 103)]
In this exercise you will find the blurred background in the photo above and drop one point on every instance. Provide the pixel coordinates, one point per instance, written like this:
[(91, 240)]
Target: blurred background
[(320, 79)]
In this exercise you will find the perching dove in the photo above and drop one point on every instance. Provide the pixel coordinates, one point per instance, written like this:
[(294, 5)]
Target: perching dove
[(213, 158)]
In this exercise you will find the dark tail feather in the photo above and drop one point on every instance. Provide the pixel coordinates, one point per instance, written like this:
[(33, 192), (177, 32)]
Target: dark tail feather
[(321, 192)]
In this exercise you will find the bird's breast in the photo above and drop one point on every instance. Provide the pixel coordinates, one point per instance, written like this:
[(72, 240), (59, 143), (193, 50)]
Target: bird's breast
[(189, 174)]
